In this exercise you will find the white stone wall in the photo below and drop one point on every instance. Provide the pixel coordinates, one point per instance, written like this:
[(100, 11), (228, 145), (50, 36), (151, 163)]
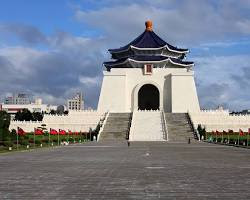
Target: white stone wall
[(184, 95), (120, 88), (113, 91), (74, 121), (220, 120)]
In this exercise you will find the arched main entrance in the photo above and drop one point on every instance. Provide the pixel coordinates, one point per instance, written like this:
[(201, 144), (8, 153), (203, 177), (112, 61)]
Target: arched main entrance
[(148, 97)]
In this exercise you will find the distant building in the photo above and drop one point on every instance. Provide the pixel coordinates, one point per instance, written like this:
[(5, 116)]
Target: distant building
[(19, 98), (76, 103), (37, 106)]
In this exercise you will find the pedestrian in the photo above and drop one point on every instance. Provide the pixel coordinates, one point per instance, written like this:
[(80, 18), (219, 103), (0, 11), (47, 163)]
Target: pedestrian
[(128, 143), (189, 141)]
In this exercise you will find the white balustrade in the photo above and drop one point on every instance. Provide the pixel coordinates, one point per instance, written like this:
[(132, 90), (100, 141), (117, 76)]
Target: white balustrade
[(220, 120), (74, 121)]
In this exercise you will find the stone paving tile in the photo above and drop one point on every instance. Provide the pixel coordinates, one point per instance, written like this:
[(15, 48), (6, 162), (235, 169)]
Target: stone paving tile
[(145, 170)]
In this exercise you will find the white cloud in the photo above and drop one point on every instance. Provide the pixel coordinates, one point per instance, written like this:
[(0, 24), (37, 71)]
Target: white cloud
[(185, 22), (219, 80)]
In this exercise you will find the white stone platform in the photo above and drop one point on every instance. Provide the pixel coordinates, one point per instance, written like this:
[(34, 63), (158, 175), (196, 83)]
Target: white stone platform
[(146, 126)]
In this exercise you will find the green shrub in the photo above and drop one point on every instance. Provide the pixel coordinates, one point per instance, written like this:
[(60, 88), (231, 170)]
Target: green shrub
[(38, 142), (24, 142), (8, 143)]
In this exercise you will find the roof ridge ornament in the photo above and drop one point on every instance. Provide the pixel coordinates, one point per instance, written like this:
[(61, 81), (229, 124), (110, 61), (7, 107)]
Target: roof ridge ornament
[(149, 25)]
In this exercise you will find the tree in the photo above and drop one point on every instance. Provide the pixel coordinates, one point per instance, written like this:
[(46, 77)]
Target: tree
[(202, 131), (37, 116), (4, 120), (24, 115), (52, 112), (4, 126), (66, 112)]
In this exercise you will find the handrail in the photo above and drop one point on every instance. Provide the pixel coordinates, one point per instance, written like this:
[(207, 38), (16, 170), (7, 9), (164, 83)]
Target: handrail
[(129, 126), (103, 124), (164, 124), (192, 125)]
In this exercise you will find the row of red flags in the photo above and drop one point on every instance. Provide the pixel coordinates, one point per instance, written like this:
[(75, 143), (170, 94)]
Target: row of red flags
[(38, 131), (231, 132)]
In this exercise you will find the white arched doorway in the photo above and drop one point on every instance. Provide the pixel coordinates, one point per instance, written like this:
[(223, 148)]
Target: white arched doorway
[(146, 95)]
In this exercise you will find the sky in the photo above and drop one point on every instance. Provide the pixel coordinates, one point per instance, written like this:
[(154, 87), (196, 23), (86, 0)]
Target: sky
[(52, 49)]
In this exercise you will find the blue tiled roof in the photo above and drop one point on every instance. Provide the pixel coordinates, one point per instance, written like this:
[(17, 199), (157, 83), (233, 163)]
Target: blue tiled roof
[(147, 58), (148, 39)]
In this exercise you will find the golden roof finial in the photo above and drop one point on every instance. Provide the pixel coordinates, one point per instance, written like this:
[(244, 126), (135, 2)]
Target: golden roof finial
[(149, 25)]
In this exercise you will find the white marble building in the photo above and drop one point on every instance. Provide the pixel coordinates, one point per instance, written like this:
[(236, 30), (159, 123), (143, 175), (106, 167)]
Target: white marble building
[(148, 73)]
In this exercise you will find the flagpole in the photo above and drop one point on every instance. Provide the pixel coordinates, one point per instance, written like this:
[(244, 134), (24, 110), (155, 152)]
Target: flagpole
[(222, 137), (49, 136), (239, 138), (34, 138), (58, 137), (216, 136), (247, 138), (17, 139), (68, 136)]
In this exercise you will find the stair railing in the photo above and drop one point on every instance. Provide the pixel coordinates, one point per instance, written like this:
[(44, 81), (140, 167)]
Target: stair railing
[(192, 126), (164, 125), (129, 126), (103, 124)]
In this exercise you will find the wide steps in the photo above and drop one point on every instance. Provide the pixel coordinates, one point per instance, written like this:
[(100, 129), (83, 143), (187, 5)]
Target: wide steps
[(116, 127), (178, 126)]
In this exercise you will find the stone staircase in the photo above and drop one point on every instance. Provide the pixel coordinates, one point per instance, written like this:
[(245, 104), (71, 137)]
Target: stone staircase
[(179, 128), (147, 126), (116, 127)]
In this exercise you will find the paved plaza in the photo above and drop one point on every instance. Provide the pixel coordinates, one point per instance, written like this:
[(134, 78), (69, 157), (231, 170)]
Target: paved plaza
[(114, 171)]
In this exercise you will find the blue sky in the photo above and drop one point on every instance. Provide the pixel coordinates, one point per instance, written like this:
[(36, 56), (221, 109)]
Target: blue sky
[(52, 48)]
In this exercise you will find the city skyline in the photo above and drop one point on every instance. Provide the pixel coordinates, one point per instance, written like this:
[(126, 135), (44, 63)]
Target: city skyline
[(55, 48)]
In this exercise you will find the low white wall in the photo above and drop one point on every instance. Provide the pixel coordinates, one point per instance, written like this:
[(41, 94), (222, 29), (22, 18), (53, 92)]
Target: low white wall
[(220, 120), (74, 121)]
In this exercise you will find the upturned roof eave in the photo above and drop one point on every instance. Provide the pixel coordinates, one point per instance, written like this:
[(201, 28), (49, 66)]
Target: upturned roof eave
[(145, 49), (148, 61)]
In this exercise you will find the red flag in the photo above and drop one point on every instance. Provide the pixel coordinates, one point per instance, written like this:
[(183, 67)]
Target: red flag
[(76, 133), (71, 133), (38, 131), (62, 132), (53, 132), (20, 131), (241, 132)]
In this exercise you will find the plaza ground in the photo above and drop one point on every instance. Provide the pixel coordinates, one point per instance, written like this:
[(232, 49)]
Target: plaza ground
[(145, 170)]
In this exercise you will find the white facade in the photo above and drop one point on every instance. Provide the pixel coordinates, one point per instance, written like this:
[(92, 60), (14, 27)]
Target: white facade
[(176, 86)]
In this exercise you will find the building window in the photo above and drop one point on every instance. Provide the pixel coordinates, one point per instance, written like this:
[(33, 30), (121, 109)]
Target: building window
[(148, 69)]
